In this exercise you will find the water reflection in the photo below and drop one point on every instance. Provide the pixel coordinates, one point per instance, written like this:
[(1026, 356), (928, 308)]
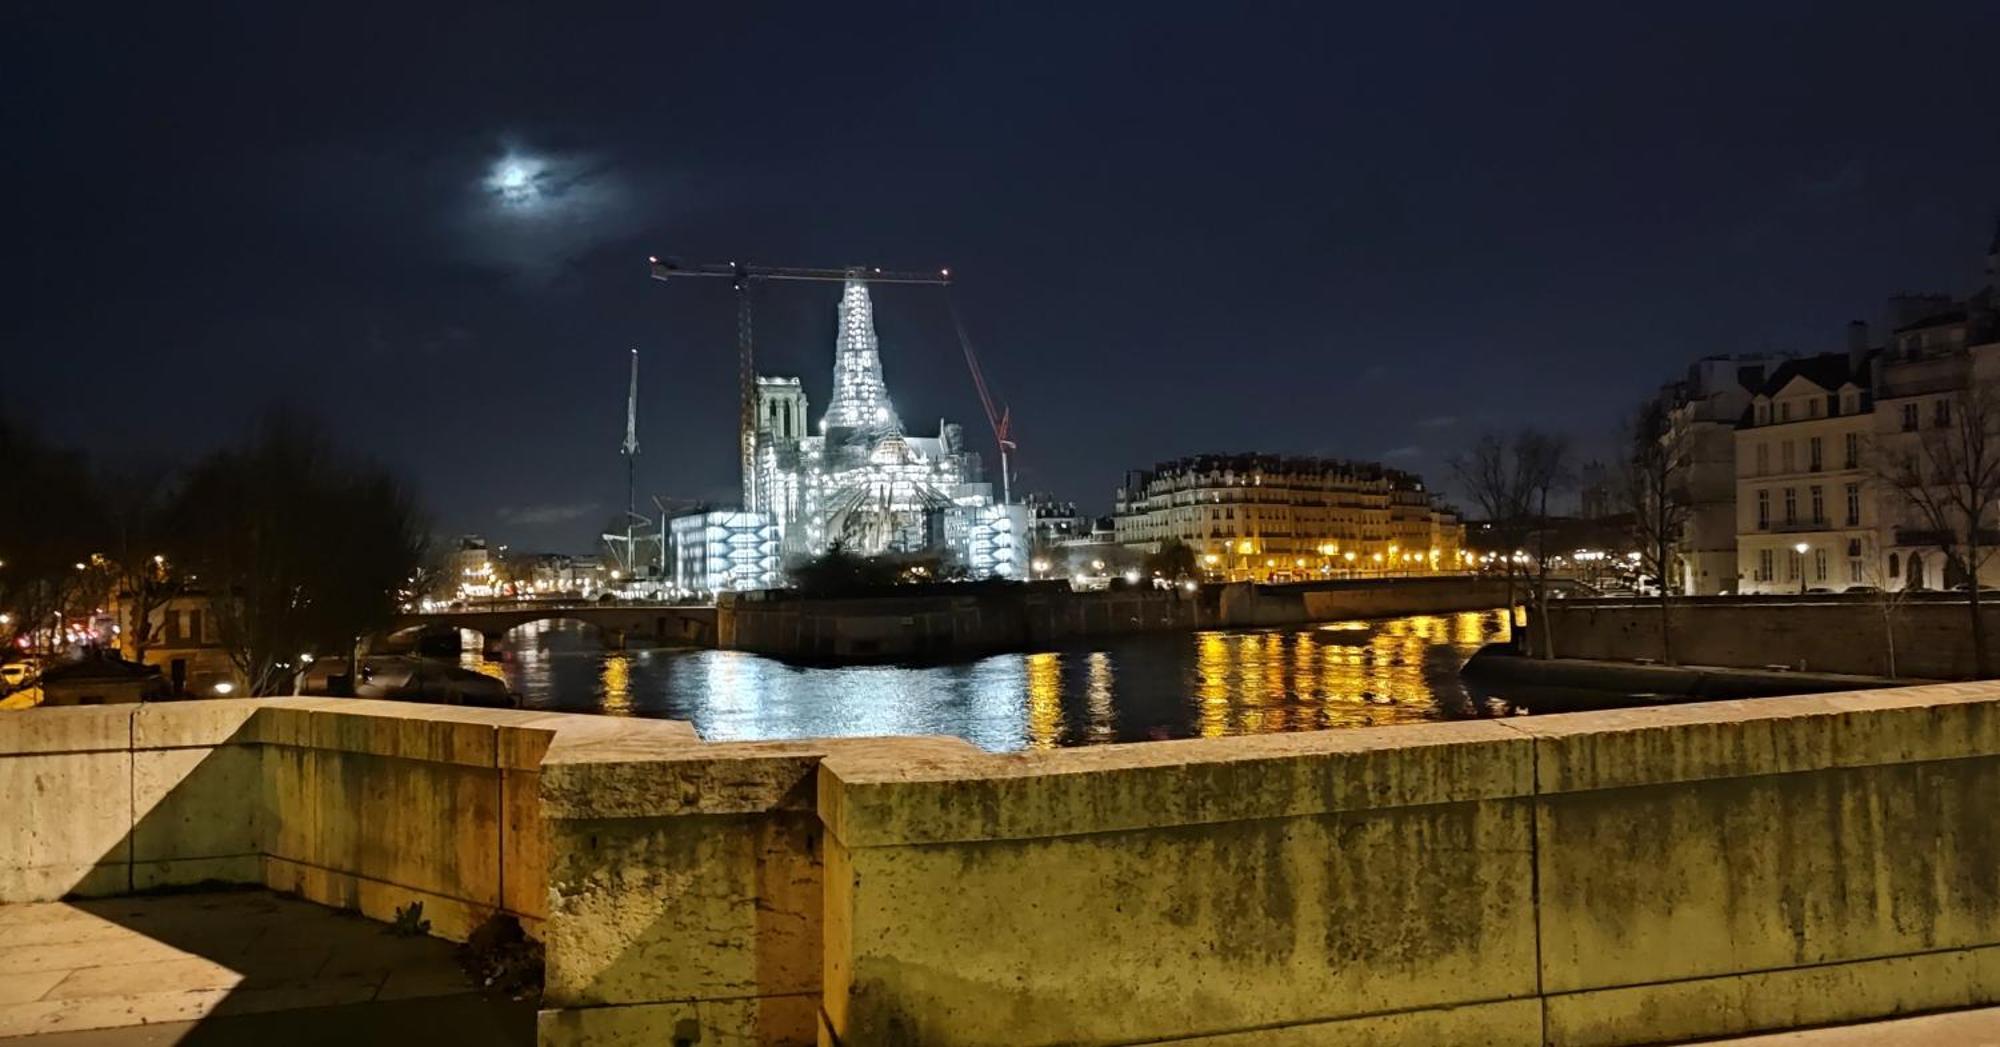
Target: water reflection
[(1341, 674)]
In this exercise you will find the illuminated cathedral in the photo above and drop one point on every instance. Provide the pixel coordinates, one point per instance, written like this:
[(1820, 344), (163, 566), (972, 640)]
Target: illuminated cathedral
[(862, 481)]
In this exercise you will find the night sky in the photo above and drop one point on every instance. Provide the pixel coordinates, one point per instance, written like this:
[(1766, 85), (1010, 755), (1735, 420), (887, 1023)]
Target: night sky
[(1357, 230)]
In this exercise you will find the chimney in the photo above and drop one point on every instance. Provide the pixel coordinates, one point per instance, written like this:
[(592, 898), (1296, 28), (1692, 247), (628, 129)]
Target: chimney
[(1857, 343)]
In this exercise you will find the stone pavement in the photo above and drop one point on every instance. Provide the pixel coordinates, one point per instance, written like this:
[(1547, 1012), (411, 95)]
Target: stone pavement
[(1976, 1028), (233, 967)]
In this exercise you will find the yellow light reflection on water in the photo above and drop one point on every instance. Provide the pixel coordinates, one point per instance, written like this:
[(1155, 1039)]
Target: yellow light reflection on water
[(1213, 670), (1045, 714), (614, 684), (1103, 717), (472, 655)]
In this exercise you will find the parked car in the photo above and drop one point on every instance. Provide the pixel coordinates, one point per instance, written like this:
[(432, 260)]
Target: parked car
[(18, 674), (1862, 589)]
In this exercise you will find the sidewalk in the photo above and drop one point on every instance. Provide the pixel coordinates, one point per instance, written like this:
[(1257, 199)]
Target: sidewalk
[(233, 967), (1980, 1028)]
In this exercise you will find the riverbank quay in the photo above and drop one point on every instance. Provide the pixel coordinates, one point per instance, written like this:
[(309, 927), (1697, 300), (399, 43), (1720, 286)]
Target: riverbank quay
[(1637, 876), (1645, 683), (1926, 636), (952, 622)]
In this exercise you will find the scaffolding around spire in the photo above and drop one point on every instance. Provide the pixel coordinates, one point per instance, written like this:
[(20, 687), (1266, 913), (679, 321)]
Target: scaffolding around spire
[(860, 396)]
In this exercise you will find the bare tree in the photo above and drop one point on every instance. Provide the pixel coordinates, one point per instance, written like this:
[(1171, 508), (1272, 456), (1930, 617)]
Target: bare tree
[(1544, 463), (51, 522), (299, 551), (144, 579), (1656, 492), (1512, 481), (1490, 477), (1948, 477), (1888, 599)]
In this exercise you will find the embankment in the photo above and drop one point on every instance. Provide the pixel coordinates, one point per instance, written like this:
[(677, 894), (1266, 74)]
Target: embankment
[(967, 621), (1930, 635)]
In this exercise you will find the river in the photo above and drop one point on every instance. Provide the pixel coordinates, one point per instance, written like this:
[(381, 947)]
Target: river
[(1169, 685)]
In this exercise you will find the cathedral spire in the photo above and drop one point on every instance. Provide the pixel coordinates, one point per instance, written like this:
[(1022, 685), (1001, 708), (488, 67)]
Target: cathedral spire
[(860, 398)]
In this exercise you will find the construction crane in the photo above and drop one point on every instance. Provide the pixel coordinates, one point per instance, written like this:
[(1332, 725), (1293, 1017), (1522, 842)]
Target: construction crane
[(1002, 419), (742, 276)]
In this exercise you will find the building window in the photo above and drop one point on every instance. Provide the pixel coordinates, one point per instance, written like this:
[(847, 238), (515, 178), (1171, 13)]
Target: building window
[(1819, 565), (1851, 444), (1849, 403), (1785, 411), (1763, 510), (1813, 407), (1894, 565), (1791, 505), (1853, 505), (1763, 565), (1785, 457), (1854, 572), (1792, 563), (1763, 414), (1813, 455), (1818, 506), (1763, 458), (1941, 413), (1910, 418)]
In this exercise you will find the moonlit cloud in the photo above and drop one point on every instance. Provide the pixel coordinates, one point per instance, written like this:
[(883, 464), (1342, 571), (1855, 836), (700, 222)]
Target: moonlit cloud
[(516, 181)]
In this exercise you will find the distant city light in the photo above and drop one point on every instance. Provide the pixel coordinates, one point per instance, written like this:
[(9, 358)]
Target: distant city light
[(224, 687)]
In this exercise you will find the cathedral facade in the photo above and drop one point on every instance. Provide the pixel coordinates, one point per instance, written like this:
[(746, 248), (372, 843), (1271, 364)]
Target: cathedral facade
[(860, 480)]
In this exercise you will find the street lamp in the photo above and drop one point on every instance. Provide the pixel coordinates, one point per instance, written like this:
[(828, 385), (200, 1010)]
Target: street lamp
[(1801, 550)]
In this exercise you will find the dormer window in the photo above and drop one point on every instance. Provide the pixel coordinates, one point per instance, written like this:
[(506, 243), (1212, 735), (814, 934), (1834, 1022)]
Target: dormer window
[(1785, 411), (1764, 414)]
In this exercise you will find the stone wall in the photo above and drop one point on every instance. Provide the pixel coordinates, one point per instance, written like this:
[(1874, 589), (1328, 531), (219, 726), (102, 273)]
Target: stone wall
[(962, 622), (359, 804), (1842, 634), (1602, 878)]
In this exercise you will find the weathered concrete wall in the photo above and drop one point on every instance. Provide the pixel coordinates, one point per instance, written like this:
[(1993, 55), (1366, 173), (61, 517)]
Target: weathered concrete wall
[(364, 805), (1847, 634), (1602, 878)]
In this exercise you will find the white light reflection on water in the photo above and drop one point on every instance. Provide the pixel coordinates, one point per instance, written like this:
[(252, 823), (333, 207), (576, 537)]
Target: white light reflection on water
[(1343, 674)]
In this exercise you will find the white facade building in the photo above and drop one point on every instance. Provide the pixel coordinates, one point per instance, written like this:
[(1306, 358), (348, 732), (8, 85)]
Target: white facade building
[(723, 552), (862, 481)]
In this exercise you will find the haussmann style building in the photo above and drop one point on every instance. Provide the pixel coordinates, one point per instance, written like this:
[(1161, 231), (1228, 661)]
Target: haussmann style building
[(1273, 518), (1816, 507)]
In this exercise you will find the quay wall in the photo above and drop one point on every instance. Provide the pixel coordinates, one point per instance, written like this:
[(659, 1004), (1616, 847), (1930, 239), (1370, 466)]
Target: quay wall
[(1931, 634), (1635, 876), (1039, 616)]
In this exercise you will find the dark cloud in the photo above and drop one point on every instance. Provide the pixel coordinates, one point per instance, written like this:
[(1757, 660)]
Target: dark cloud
[(544, 515)]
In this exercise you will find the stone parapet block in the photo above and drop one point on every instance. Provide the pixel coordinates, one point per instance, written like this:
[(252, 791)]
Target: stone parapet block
[(909, 792), (1733, 739)]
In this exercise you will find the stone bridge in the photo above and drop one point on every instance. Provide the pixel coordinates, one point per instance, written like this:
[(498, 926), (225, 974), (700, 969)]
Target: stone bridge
[(616, 623)]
